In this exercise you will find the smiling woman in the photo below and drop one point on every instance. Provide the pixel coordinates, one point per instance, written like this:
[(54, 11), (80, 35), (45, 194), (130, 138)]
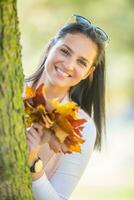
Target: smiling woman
[(68, 62), (73, 69)]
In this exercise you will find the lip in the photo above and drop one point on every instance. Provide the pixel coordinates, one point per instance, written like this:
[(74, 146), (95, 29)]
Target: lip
[(63, 71)]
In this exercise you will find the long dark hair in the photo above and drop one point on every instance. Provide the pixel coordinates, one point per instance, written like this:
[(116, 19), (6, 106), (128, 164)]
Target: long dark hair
[(91, 90)]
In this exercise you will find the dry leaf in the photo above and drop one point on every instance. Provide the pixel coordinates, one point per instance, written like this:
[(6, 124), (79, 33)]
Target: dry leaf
[(61, 118)]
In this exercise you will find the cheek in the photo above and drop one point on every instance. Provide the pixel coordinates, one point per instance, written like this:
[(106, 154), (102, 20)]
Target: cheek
[(79, 73), (55, 58), (51, 57), (59, 57)]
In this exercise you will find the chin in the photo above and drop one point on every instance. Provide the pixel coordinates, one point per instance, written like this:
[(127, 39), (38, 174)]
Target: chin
[(58, 83)]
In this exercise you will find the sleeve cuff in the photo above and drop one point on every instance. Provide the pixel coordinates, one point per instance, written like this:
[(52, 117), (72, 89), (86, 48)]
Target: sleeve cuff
[(40, 180)]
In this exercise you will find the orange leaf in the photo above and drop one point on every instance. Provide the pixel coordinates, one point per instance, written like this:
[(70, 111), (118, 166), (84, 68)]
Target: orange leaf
[(64, 124), (29, 92), (40, 90), (40, 95), (73, 146), (78, 130), (75, 122), (76, 138)]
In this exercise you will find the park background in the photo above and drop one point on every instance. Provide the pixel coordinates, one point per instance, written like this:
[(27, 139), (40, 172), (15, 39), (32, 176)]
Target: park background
[(110, 173)]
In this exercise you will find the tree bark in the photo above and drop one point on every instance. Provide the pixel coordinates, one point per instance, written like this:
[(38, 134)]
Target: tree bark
[(15, 179)]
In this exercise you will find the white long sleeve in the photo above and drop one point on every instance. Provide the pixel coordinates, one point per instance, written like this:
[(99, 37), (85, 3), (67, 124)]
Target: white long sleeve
[(68, 174)]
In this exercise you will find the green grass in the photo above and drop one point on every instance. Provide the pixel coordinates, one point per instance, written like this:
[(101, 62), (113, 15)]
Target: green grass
[(102, 193)]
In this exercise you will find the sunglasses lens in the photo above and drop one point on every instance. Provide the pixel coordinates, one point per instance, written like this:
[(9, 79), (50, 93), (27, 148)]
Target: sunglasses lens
[(87, 24), (101, 34), (82, 20)]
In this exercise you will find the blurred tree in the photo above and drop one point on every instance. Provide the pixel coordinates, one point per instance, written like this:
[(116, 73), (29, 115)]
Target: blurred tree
[(14, 173)]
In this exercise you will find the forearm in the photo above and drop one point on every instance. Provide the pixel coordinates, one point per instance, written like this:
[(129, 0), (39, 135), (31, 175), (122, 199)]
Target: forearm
[(36, 176), (43, 189), (33, 155), (41, 186)]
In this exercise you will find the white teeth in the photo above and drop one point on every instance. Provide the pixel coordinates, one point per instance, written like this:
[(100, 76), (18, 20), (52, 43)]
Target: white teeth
[(61, 72)]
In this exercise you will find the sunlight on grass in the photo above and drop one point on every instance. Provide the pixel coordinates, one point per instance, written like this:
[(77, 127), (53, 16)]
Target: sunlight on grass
[(104, 193)]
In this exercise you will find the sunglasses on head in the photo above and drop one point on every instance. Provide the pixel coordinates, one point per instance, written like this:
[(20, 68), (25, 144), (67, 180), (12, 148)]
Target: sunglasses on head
[(85, 22)]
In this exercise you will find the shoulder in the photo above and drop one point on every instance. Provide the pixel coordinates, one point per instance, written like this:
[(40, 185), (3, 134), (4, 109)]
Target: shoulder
[(81, 159), (89, 131), (90, 122)]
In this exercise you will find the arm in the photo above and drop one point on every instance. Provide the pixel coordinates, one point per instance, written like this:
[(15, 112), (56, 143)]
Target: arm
[(67, 176)]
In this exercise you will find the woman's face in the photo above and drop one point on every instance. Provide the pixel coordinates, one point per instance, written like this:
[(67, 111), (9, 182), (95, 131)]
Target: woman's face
[(69, 61)]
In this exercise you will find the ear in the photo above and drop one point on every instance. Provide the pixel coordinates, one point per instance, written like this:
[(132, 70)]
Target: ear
[(90, 71)]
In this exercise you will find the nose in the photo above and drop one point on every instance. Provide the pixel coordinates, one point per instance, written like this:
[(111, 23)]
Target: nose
[(70, 65)]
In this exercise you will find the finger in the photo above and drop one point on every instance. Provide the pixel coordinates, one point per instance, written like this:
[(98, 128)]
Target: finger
[(32, 142), (46, 136), (31, 138), (38, 127), (64, 147), (55, 144), (29, 144), (28, 128), (34, 133), (37, 124)]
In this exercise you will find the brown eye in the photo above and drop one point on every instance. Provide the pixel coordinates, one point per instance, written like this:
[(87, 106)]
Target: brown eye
[(82, 62), (65, 51)]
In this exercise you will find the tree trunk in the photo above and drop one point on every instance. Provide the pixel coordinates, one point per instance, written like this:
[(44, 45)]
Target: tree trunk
[(15, 179)]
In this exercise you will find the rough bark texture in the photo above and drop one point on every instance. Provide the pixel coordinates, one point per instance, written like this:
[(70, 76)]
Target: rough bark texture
[(15, 179)]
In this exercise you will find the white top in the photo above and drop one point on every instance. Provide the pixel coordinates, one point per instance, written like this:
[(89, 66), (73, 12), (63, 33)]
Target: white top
[(63, 171)]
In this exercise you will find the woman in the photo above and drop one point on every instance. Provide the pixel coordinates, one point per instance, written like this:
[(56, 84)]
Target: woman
[(73, 69)]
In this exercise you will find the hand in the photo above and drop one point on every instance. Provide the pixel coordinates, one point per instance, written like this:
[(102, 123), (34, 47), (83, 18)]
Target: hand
[(37, 135), (33, 138)]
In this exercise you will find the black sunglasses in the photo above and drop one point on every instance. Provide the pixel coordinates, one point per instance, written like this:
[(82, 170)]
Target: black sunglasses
[(85, 22)]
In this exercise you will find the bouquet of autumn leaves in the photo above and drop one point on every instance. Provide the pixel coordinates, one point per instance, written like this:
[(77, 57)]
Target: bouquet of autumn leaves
[(61, 119)]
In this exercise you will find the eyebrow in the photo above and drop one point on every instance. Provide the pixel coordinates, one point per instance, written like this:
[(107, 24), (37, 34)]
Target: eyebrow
[(73, 52)]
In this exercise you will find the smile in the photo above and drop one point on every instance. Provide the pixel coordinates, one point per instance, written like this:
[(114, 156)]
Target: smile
[(61, 72)]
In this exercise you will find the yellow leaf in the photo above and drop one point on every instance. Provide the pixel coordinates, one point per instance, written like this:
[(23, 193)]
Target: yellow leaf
[(65, 109), (47, 121), (60, 133), (41, 108)]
